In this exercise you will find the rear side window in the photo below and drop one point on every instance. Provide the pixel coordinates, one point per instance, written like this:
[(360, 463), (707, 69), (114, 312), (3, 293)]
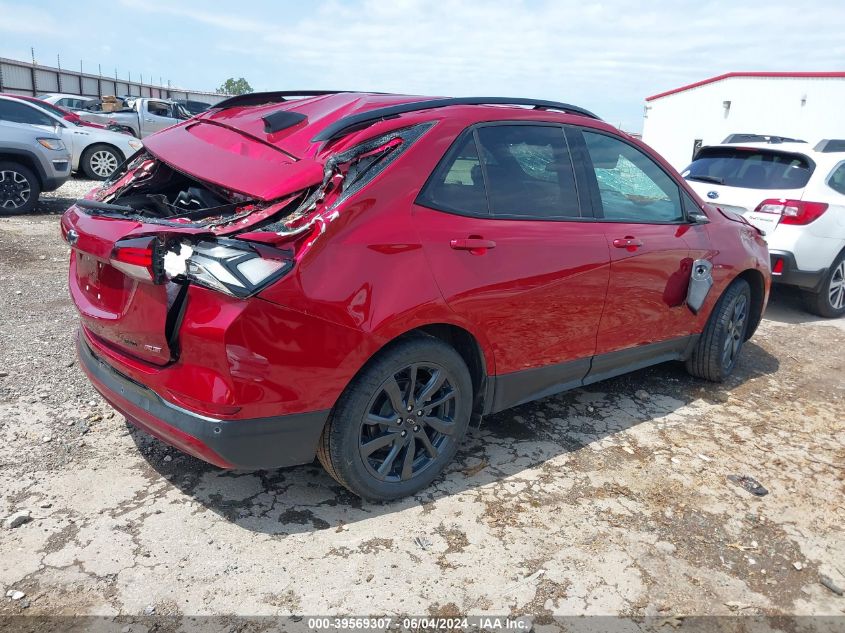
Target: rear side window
[(67, 102), (837, 179), (457, 184), (17, 112), (528, 171), (750, 168), (632, 187), (507, 171)]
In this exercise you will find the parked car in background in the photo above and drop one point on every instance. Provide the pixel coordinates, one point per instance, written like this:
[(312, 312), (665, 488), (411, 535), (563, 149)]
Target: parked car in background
[(32, 160), (141, 116), (97, 153), (64, 113), (194, 107), (70, 101), (357, 275), (795, 193)]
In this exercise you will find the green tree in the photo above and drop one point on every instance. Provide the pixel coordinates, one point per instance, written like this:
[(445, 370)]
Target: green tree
[(234, 86)]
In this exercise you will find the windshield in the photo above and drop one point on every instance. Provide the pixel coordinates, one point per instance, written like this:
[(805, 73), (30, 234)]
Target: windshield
[(750, 168)]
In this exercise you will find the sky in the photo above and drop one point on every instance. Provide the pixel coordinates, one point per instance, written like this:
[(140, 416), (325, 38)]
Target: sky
[(604, 56)]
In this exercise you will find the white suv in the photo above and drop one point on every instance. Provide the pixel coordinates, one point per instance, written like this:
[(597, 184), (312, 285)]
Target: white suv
[(795, 194)]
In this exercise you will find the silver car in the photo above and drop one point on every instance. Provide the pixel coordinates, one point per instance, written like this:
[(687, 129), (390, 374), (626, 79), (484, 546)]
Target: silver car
[(31, 161), (95, 152)]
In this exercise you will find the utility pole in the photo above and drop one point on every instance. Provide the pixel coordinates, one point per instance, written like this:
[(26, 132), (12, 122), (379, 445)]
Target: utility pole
[(34, 74)]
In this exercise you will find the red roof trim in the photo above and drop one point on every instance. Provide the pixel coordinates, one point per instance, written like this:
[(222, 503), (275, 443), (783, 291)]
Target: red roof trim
[(797, 75)]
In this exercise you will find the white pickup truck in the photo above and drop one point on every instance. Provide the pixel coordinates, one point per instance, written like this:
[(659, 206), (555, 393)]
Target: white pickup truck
[(141, 116)]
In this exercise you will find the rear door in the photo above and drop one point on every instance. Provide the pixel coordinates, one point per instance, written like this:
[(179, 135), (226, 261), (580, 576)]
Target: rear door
[(651, 243), (513, 254)]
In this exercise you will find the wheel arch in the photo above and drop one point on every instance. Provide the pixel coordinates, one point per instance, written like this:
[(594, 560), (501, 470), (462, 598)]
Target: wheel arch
[(85, 154), (26, 159), (477, 356), (757, 283), (96, 144)]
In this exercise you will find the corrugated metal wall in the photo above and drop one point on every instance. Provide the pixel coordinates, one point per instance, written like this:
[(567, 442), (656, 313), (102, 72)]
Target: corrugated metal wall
[(17, 77)]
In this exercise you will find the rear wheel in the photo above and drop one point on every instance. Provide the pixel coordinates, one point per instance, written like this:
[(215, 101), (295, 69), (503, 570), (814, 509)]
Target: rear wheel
[(399, 423), (718, 347), (830, 301), (19, 188), (100, 161)]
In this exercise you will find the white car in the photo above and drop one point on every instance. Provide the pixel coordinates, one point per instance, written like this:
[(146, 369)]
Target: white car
[(795, 194), (96, 153), (71, 102)]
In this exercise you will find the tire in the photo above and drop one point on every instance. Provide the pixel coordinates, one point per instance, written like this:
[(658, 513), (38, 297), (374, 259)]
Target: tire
[(830, 301), (715, 354), (366, 442), (98, 162), (19, 188)]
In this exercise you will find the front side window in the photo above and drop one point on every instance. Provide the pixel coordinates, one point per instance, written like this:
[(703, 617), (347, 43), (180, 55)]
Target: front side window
[(528, 171), (632, 187), (17, 112), (158, 108), (837, 179)]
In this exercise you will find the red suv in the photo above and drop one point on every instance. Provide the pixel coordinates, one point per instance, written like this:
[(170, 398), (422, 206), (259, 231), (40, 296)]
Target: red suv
[(358, 276)]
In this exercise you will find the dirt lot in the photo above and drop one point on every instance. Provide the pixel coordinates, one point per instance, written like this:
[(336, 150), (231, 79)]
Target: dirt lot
[(607, 500)]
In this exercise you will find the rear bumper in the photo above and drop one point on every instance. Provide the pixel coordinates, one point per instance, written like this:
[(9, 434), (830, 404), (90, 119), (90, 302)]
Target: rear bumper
[(250, 444), (789, 274)]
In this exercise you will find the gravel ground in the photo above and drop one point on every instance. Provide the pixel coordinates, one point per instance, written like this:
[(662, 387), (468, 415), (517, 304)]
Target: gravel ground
[(608, 500)]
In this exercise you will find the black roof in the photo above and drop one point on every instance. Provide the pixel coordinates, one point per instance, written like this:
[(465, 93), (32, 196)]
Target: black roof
[(355, 122)]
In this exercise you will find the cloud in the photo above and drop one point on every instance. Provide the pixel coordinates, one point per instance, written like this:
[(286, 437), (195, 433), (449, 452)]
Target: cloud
[(606, 56), (19, 19), (601, 55), (202, 14)]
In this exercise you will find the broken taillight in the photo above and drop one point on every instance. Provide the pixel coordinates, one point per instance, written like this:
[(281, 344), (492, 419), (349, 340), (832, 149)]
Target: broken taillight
[(234, 267)]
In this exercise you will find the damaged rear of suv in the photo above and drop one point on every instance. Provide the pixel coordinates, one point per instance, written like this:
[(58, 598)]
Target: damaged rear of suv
[(168, 258), (290, 275)]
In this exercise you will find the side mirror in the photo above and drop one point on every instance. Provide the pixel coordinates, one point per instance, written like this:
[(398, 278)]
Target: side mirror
[(698, 217)]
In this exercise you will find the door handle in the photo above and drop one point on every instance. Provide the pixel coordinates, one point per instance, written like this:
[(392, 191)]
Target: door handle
[(628, 242), (475, 245)]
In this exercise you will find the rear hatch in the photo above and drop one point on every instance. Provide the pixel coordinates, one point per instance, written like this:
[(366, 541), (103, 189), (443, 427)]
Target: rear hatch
[(739, 179), (131, 240), (115, 304)]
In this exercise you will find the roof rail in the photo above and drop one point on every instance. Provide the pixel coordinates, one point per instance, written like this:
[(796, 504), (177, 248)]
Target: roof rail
[(355, 122), (260, 98)]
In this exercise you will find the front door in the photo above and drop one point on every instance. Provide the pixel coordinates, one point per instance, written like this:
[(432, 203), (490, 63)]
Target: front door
[(652, 247), (157, 116)]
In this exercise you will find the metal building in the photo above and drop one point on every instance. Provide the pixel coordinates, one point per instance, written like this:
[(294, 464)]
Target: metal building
[(804, 105)]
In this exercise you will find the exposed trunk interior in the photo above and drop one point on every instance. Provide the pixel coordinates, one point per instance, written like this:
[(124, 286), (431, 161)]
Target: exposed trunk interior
[(158, 191)]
